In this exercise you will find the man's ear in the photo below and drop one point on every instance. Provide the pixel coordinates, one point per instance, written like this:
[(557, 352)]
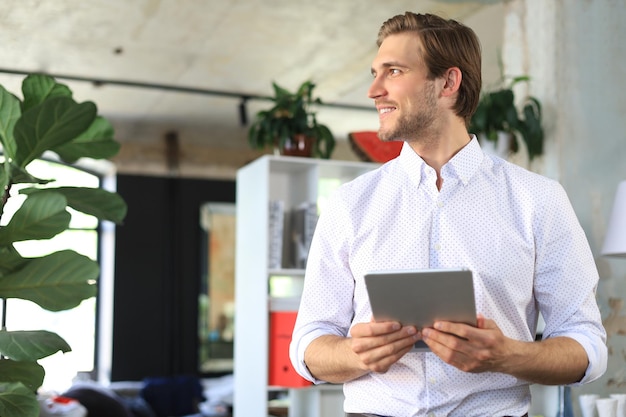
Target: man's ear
[(452, 78)]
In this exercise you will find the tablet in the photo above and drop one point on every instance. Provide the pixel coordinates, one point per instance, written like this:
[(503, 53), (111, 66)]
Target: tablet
[(420, 297)]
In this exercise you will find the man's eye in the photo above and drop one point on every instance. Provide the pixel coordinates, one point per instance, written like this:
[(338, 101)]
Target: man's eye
[(394, 71)]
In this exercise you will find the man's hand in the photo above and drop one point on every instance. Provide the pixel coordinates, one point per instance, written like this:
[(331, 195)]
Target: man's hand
[(554, 361), (379, 345), (372, 347), (470, 349)]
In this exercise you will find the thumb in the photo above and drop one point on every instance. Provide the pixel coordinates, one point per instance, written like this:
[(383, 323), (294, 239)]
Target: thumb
[(481, 321), (485, 323)]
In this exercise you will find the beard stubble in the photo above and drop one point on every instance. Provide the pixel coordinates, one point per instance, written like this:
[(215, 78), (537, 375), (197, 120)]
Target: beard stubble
[(415, 126)]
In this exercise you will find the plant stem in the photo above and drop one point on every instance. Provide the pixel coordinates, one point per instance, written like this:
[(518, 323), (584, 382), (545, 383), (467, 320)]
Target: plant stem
[(6, 191), (4, 319), (5, 198)]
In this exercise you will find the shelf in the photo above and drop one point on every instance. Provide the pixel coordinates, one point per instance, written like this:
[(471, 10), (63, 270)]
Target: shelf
[(286, 272), (293, 181)]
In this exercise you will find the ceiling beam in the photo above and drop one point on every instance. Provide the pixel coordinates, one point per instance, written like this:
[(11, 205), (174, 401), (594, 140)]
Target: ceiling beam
[(244, 97)]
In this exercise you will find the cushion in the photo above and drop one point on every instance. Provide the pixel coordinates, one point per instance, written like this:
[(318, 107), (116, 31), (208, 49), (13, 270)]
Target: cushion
[(99, 401)]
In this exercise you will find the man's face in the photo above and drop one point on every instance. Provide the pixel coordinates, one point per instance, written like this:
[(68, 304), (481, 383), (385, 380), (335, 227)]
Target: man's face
[(406, 100)]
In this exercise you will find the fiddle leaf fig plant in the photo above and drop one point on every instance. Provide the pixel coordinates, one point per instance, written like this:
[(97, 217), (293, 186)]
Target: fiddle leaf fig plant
[(47, 119)]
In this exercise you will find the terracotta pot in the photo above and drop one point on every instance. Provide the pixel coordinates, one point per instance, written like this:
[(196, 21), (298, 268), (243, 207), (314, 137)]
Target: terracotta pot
[(299, 145)]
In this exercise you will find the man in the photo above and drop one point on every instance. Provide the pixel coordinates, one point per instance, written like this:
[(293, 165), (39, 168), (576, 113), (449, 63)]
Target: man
[(443, 203)]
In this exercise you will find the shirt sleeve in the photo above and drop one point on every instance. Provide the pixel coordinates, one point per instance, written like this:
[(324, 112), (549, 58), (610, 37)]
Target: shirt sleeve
[(566, 281), (326, 304)]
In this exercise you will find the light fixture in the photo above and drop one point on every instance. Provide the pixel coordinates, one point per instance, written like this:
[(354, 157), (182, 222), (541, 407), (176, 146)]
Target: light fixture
[(243, 111), (615, 240)]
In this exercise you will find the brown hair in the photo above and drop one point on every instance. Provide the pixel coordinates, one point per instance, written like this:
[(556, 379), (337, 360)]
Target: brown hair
[(447, 43)]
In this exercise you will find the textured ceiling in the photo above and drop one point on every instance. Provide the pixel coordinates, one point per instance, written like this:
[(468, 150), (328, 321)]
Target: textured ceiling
[(237, 46)]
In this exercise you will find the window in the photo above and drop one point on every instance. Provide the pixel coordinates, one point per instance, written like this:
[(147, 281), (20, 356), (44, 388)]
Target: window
[(85, 236)]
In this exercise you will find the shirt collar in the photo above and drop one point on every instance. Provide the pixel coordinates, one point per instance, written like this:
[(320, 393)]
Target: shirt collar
[(465, 163), (462, 166)]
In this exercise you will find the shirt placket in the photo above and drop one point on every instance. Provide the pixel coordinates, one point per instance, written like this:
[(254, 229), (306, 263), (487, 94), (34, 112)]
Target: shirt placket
[(436, 244)]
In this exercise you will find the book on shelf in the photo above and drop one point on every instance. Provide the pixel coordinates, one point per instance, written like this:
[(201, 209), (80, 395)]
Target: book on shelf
[(303, 219), (290, 234), (276, 230)]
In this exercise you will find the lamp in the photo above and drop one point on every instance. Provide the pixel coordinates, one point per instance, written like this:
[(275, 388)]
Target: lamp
[(615, 240)]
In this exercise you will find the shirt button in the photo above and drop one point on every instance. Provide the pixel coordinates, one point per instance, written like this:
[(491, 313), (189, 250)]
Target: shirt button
[(432, 381), (439, 203), (431, 414), (437, 246)]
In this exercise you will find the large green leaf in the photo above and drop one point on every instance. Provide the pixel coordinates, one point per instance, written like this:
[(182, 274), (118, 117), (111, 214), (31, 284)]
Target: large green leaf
[(9, 114), (10, 260), (21, 176), (96, 142), (97, 202), (56, 121), (16, 400), (324, 145), (37, 88), (31, 345), (41, 216), (56, 282), (30, 374)]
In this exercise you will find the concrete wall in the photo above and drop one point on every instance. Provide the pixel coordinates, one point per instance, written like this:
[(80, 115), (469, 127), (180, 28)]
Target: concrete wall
[(209, 150), (575, 54)]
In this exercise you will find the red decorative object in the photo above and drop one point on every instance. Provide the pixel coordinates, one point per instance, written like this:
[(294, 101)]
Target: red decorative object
[(370, 148), (281, 373)]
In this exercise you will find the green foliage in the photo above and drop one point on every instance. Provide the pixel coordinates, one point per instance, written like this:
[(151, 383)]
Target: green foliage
[(30, 374), (16, 400), (47, 119), (497, 111), (291, 115)]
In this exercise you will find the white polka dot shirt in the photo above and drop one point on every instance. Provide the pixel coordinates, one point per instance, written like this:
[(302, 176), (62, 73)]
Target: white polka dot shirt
[(514, 229)]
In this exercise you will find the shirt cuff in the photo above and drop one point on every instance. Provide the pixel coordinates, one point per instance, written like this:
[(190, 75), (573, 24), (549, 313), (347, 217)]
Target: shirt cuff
[(296, 354), (597, 356)]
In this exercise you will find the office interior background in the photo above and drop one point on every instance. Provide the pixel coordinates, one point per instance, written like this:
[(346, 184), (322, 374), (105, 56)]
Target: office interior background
[(181, 81)]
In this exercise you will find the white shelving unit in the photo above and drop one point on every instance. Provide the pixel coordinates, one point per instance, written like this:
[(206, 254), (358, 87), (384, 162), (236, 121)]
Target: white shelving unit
[(293, 180)]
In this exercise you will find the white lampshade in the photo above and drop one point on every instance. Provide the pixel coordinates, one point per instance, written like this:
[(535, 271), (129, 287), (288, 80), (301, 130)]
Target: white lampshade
[(615, 240)]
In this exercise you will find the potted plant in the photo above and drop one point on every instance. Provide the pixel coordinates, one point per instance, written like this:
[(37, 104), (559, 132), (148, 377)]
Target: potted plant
[(291, 126), (497, 112), (47, 119)]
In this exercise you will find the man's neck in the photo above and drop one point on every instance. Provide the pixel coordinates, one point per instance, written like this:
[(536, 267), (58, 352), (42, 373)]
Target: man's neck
[(437, 151)]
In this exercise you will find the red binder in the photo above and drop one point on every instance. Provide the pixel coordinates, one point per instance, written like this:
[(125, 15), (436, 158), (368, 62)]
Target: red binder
[(281, 372)]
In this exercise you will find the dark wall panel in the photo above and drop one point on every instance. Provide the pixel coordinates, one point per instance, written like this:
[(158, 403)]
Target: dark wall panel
[(157, 274)]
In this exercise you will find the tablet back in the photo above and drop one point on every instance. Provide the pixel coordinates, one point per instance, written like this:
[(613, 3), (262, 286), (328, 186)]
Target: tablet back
[(421, 297)]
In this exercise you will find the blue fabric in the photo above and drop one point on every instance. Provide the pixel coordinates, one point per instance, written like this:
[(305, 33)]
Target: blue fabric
[(139, 407), (173, 396)]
